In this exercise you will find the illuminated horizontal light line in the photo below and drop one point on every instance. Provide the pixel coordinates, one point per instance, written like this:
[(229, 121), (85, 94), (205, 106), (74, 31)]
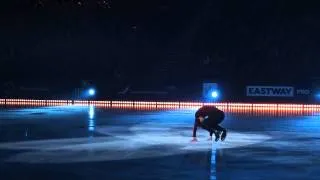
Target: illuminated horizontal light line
[(2, 101), (100, 102), (240, 104), (145, 103), (256, 107), (122, 102)]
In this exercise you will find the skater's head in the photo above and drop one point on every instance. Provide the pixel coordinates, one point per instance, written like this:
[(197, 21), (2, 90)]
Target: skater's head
[(200, 119)]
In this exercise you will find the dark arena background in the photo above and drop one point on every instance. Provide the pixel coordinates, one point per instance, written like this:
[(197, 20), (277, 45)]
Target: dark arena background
[(105, 89)]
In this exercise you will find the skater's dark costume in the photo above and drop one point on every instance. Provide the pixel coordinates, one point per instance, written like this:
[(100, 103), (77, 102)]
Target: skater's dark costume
[(212, 118)]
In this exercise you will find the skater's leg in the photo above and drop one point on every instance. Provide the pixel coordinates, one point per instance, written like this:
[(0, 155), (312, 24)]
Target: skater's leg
[(213, 121), (212, 130), (224, 132), (216, 133), (211, 125), (219, 128)]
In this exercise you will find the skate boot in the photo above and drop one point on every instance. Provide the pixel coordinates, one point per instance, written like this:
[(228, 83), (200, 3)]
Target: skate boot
[(217, 134), (223, 135)]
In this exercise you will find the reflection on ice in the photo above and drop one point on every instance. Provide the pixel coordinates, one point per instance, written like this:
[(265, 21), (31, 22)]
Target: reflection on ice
[(91, 120)]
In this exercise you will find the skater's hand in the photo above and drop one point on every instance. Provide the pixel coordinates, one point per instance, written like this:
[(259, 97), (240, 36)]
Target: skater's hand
[(194, 139)]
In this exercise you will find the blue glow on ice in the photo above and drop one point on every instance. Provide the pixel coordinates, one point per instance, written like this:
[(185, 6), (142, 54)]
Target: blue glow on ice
[(91, 125)]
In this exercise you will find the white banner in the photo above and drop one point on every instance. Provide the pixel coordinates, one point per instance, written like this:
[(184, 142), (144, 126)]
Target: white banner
[(274, 91)]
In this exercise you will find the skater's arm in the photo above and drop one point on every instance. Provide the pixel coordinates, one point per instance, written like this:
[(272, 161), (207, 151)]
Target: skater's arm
[(195, 126), (197, 122)]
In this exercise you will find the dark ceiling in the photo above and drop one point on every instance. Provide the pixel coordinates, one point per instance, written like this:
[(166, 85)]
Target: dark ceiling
[(180, 39)]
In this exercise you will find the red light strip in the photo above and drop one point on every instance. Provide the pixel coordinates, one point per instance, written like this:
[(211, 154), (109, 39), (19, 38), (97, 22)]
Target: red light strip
[(2, 101), (230, 107)]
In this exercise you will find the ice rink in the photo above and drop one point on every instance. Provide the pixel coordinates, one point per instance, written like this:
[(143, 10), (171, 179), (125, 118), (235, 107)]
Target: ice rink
[(72, 142)]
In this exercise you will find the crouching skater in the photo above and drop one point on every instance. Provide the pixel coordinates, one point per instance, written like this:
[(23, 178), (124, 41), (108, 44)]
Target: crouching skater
[(209, 118)]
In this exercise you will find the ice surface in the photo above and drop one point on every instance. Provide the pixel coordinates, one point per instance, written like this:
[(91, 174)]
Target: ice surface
[(86, 143)]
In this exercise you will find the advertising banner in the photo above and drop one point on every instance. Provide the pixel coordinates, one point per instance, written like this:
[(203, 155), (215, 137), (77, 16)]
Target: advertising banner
[(270, 91)]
